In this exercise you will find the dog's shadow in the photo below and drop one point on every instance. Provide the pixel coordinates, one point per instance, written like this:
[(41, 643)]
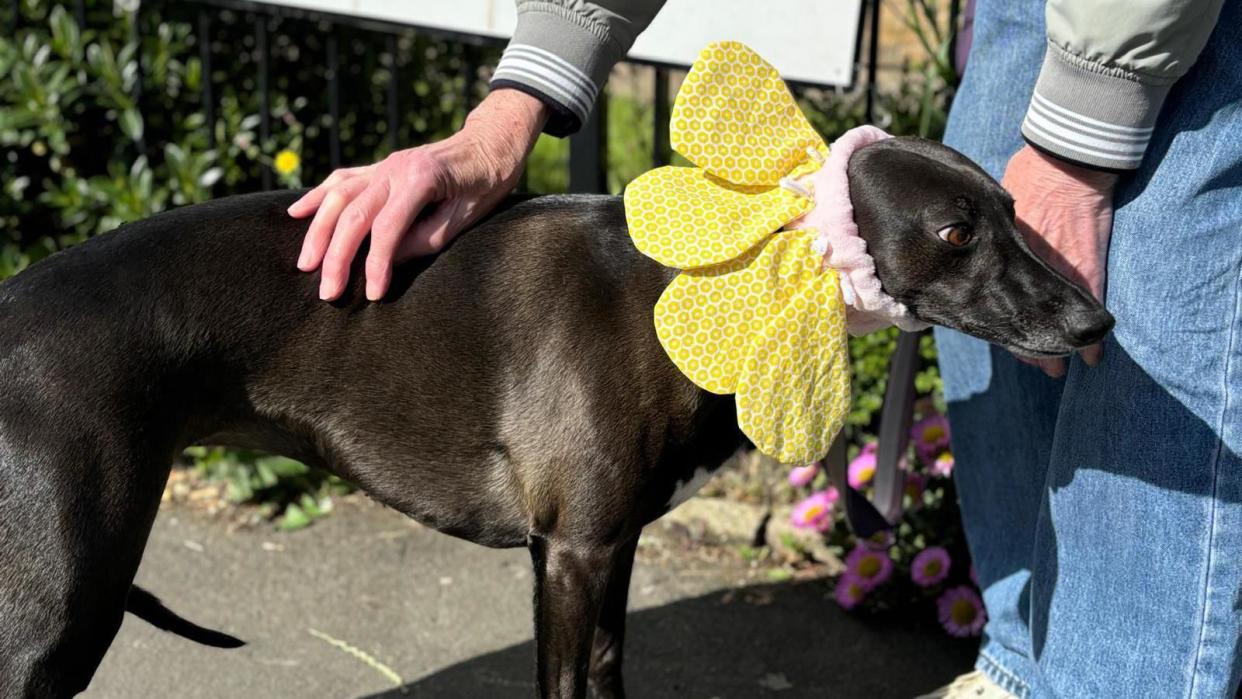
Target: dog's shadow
[(785, 640)]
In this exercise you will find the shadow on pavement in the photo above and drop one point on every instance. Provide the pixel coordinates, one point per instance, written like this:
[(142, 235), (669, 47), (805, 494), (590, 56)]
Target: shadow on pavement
[(784, 640)]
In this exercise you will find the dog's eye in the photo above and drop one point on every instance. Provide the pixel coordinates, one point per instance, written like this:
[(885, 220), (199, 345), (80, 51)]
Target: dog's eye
[(956, 236)]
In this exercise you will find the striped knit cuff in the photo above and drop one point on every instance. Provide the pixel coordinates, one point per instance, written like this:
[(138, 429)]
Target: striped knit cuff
[(1091, 114), (549, 77)]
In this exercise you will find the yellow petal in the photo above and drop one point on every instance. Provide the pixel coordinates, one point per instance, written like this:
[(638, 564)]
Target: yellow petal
[(683, 217), (708, 319), (794, 389), (735, 117)]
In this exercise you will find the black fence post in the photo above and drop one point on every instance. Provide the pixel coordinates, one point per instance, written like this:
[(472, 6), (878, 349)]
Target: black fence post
[(135, 37), (265, 94), (873, 54), (659, 117), (204, 57), (588, 158), (334, 100), (955, 17), (394, 98)]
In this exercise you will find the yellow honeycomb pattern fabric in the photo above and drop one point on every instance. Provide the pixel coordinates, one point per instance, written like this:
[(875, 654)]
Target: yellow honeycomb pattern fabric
[(687, 218), (707, 318), (753, 311), (794, 391), (735, 118)]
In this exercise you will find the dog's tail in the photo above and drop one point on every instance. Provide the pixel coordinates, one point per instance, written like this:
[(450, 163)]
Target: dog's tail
[(148, 607)]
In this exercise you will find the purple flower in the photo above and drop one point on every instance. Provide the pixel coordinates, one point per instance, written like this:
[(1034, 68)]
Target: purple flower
[(961, 611), (943, 465), (803, 475), (849, 591), (872, 568), (931, 436), (815, 511), (862, 468), (930, 566)]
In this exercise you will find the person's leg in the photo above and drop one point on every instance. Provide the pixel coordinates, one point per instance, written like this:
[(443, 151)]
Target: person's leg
[(1137, 589), (1003, 412)]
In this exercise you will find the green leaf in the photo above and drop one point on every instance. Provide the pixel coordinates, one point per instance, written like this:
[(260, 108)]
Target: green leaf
[(293, 518), (131, 124)]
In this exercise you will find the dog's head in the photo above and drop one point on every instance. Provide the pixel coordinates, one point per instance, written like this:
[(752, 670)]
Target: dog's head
[(945, 244)]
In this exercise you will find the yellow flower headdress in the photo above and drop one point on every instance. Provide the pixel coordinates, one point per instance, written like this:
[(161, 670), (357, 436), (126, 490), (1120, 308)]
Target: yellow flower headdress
[(754, 312)]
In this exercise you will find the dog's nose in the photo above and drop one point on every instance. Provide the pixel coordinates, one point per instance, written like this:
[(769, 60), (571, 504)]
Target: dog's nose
[(1088, 327)]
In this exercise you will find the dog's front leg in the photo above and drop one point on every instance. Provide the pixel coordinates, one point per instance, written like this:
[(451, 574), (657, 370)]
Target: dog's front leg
[(571, 579), (608, 649)]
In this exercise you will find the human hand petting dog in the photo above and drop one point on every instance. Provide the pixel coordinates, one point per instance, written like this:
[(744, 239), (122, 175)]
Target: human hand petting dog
[(1065, 212), (452, 183)]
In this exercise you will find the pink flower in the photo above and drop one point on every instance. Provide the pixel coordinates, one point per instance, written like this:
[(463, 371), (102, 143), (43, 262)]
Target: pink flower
[(930, 566), (943, 465), (916, 483), (961, 611), (872, 568), (931, 436), (815, 511), (849, 591), (803, 475), (862, 468)]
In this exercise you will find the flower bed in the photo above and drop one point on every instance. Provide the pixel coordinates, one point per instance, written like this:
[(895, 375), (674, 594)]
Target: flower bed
[(922, 567)]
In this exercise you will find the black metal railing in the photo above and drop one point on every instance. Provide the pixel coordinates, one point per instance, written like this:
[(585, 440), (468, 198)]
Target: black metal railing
[(587, 151)]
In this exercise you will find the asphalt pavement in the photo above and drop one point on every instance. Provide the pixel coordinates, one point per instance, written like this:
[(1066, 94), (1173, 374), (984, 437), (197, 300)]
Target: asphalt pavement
[(366, 603)]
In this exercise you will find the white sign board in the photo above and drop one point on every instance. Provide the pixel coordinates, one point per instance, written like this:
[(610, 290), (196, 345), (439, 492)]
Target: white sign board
[(810, 41)]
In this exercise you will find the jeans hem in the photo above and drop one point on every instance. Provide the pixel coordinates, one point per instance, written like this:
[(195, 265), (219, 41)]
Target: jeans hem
[(1002, 676)]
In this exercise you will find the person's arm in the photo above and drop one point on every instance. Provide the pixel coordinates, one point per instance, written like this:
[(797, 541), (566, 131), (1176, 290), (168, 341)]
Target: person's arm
[(1107, 70), (548, 79), (562, 51), (1108, 67)]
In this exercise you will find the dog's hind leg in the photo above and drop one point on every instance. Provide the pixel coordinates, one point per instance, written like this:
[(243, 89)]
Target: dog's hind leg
[(608, 648), (571, 581), (74, 517)]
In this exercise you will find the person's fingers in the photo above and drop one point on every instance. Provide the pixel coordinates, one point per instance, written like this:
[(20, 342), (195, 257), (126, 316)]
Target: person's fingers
[(352, 226), (1029, 361), (319, 234), (1054, 367), (431, 234), (309, 202), (391, 226), (1092, 355)]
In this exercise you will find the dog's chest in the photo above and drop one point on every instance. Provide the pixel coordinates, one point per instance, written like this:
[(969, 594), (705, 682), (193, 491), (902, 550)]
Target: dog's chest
[(683, 490)]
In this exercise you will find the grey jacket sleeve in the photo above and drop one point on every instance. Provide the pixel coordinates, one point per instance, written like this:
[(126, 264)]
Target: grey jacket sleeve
[(562, 50), (1106, 72)]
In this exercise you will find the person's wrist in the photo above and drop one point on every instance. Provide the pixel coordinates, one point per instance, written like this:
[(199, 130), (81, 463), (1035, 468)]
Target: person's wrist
[(1057, 174), (511, 113), (500, 133)]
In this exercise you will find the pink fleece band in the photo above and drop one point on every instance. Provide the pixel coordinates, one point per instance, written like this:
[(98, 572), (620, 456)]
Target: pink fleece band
[(868, 307)]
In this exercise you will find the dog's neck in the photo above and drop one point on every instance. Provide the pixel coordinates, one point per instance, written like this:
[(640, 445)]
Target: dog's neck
[(868, 307)]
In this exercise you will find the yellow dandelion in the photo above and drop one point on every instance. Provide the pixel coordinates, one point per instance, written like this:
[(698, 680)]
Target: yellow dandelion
[(287, 162)]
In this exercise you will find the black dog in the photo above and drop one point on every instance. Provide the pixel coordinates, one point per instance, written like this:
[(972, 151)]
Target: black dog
[(509, 391)]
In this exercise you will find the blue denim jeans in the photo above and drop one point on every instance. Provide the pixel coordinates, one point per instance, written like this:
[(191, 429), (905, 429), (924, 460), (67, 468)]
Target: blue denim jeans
[(1104, 510)]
